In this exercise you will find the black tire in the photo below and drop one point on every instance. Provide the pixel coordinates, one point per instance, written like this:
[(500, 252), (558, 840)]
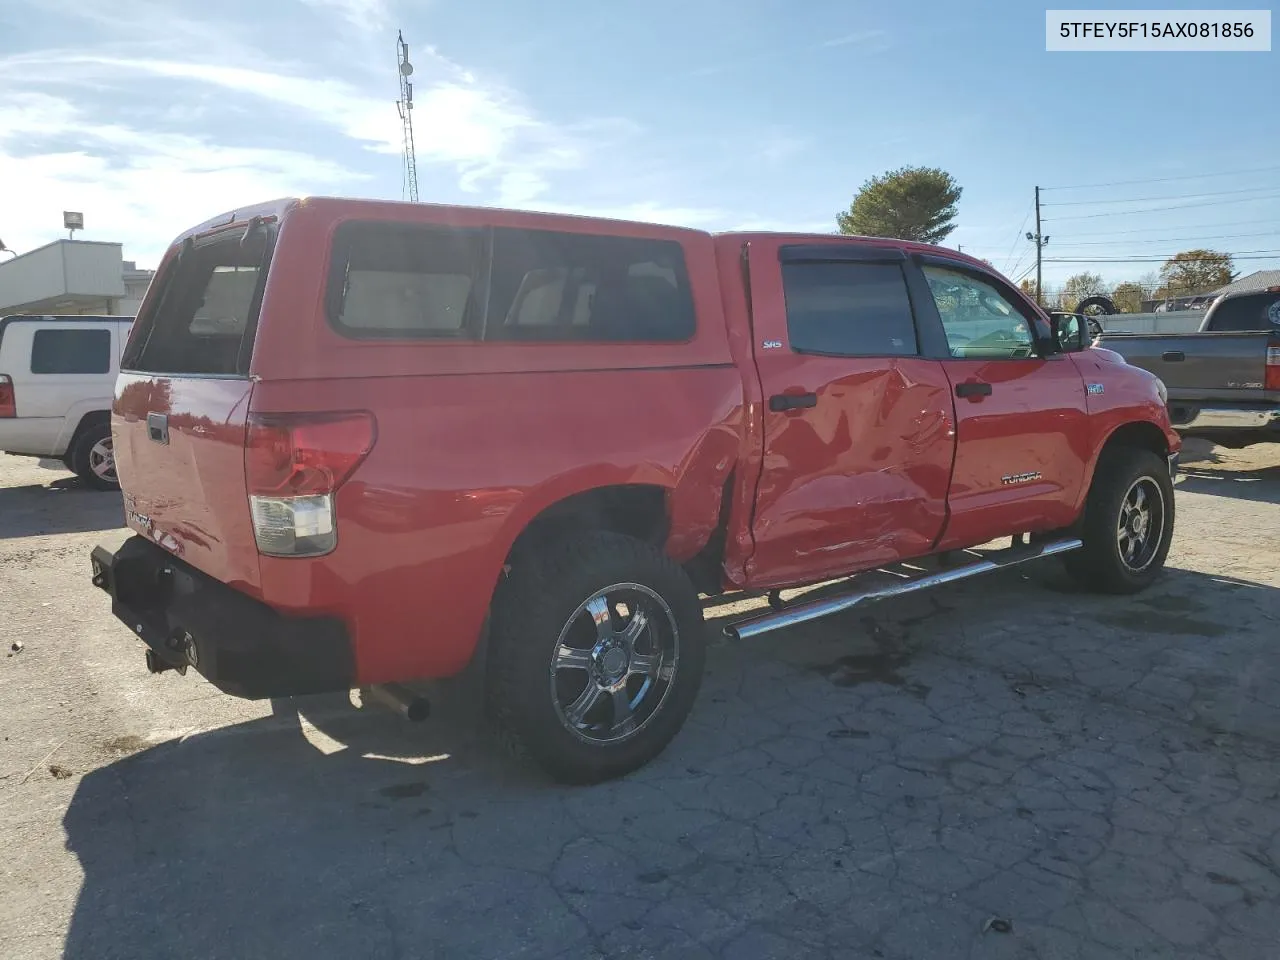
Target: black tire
[(1124, 475), (84, 455), (1095, 306), (543, 600)]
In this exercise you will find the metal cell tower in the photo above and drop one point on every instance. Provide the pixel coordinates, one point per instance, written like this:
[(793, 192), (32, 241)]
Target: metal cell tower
[(405, 107)]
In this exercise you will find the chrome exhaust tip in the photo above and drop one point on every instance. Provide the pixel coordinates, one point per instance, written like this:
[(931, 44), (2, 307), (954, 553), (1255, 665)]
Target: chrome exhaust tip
[(394, 696)]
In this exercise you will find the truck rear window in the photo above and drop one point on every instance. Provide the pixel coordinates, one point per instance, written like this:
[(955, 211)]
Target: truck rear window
[(1255, 312), (203, 316), (396, 280)]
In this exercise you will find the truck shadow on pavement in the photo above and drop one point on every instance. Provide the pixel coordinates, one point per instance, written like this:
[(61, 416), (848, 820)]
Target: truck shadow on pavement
[(885, 781), (1260, 486), (67, 505)]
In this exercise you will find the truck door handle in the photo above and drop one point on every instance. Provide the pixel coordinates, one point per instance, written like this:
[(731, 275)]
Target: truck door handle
[(973, 389), (1173, 356), (780, 402), (158, 427)]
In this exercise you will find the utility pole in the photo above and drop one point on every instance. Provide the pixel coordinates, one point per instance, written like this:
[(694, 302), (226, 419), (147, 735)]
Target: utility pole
[(1040, 242), (405, 107)]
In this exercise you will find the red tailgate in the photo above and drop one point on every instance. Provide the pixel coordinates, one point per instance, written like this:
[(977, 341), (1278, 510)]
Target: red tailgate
[(182, 401), (179, 449)]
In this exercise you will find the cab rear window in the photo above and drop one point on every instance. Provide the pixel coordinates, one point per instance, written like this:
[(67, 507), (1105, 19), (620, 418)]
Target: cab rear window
[(399, 281), (1255, 312)]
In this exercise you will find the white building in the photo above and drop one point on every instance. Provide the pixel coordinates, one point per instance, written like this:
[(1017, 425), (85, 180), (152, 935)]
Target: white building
[(72, 277)]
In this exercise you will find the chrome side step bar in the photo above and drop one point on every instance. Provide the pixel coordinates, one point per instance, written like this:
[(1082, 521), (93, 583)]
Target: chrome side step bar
[(804, 612)]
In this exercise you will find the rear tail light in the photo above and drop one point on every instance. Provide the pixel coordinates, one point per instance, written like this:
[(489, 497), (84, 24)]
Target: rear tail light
[(1272, 379), (294, 464), (8, 405)]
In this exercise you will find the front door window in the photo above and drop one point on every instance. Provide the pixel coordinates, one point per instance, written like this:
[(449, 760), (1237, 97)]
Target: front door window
[(979, 321)]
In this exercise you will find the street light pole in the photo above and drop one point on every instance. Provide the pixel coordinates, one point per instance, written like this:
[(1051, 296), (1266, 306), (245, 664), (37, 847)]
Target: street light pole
[(1039, 240)]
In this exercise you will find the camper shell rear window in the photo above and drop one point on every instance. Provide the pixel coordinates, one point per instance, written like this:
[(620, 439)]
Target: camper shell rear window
[(203, 315)]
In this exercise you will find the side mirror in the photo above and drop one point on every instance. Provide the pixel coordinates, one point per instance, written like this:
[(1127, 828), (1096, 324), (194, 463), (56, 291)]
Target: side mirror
[(1069, 332)]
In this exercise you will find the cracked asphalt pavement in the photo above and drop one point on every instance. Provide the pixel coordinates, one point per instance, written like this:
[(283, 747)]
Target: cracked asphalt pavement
[(1001, 769)]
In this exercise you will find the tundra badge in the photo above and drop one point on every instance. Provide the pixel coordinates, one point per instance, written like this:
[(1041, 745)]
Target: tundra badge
[(1019, 478)]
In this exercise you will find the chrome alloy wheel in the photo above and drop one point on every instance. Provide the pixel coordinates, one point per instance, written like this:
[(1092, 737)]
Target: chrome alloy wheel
[(614, 663), (1140, 529)]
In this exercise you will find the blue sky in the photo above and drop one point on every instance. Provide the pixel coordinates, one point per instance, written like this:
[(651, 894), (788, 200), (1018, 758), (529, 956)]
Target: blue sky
[(718, 114)]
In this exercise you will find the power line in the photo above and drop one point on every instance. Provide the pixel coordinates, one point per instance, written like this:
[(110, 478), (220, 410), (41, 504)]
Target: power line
[(1189, 176), (1072, 244), (1013, 246), (1235, 256), (1185, 196), (1176, 206), (1220, 236), (1230, 223), (1024, 274), (1017, 264)]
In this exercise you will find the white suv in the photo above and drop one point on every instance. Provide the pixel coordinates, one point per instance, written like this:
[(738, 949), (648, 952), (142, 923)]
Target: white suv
[(57, 380)]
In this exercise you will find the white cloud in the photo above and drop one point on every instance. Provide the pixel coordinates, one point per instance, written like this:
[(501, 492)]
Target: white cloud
[(370, 15), (700, 218), (137, 187), (490, 138), (862, 37), (781, 225), (147, 143), (333, 102), (780, 148), (859, 37)]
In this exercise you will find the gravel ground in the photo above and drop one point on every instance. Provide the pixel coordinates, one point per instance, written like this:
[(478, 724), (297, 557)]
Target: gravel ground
[(1003, 769)]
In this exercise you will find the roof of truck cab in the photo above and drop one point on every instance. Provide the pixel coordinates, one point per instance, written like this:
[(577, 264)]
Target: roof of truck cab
[(502, 216), (268, 208), (356, 208), (907, 246)]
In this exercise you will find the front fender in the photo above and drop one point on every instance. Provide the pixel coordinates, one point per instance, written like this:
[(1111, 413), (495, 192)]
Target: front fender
[(1129, 405)]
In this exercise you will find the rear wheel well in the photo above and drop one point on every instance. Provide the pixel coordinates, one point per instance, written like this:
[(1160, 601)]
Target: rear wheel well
[(91, 419), (635, 510)]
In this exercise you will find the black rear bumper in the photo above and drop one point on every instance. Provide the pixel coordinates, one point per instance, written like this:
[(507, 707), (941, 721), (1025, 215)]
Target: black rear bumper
[(242, 646)]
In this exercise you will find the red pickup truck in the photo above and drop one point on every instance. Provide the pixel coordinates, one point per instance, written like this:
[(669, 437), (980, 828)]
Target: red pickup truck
[(365, 442)]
